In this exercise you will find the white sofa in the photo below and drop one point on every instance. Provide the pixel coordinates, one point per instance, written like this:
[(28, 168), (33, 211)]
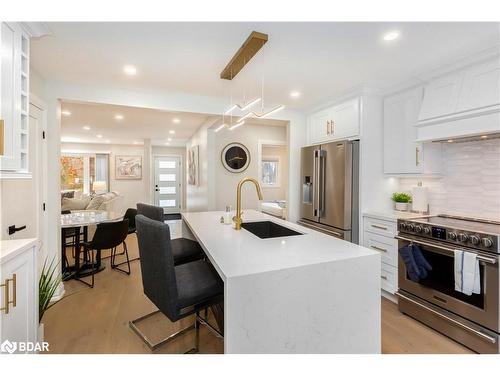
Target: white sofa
[(111, 202)]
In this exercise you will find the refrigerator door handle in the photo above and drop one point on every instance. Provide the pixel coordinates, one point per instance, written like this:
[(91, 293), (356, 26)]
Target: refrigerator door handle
[(321, 179), (316, 184)]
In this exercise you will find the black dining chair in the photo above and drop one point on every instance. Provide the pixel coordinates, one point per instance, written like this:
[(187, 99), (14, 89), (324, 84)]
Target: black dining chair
[(130, 215), (69, 234), (107, 236), (184, 250), (177, 291)]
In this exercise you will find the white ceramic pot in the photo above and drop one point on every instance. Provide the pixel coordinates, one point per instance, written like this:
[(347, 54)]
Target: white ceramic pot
[(399, 206)]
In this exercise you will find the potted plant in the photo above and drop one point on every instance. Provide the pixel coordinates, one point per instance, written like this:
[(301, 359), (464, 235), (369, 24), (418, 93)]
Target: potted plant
[(401, 201), (47, 286)]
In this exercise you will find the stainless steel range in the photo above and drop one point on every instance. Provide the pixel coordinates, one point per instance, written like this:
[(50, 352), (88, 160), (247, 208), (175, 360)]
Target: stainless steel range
[(473, 320)]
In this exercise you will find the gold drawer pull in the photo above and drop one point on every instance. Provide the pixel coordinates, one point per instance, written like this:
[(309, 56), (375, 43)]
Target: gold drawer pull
[(379, 226), (383, 277), (5, 296), (378, 248)]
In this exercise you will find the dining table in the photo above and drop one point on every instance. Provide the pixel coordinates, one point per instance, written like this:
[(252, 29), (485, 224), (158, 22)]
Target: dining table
[(79, 222)]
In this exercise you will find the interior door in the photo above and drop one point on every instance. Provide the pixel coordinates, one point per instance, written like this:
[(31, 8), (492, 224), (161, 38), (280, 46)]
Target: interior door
[(168, 183), (335, 194), (308, 183)]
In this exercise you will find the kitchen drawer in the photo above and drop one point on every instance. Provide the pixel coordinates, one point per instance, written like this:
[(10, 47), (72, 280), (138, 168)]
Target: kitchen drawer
[(389, 276), (382, 227), (388, 247)]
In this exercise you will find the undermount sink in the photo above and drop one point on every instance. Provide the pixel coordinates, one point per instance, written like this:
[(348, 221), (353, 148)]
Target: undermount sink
[(268, 229)]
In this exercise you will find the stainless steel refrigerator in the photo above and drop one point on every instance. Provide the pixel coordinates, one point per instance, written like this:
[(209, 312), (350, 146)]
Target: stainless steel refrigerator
[(330, 189)]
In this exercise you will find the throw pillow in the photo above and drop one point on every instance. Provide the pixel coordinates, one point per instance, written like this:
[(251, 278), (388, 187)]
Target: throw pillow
[(75, 203), (95, 203)]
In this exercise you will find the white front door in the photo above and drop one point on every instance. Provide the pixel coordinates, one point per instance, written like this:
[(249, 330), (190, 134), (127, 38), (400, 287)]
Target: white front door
[(168, 183)]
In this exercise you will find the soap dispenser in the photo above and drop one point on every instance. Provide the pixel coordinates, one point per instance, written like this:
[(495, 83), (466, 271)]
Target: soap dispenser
[(228, 218)]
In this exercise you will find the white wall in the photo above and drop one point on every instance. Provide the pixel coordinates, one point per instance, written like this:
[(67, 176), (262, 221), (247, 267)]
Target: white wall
[(199, 197), (279, 192), (225, 181), (471, 181), (133, 191)]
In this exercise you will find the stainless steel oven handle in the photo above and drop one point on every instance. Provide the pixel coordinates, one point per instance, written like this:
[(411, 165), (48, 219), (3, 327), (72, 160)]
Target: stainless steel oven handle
[(315, 185), (479, 257), (482, 335)]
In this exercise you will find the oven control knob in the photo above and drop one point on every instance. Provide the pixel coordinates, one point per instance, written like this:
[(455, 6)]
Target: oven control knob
[(410, 227), (418, 228), (452, 236), (463, 237), (475, 240), (402, 226), (486, 242), (427, 230)]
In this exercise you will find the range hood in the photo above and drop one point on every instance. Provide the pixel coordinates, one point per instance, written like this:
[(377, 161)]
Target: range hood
[(465, 103)]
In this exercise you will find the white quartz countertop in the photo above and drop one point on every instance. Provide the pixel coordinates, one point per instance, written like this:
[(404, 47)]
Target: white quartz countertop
[(10, 248), (238, 253)]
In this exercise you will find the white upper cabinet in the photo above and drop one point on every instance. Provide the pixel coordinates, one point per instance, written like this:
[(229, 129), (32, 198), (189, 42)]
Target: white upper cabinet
[(337, 122), (480, 87), (402, 154), (14, 89), (469, 92)]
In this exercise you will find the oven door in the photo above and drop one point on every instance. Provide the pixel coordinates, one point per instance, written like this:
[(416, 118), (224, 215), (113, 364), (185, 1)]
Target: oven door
[(439, 287)]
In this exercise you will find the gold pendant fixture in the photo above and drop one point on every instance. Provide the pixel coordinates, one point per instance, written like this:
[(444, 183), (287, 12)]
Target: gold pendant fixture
[(248, 50)]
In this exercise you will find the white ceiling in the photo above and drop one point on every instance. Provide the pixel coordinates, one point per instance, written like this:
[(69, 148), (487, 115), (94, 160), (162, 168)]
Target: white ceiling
[(321, 60), (137, 124)]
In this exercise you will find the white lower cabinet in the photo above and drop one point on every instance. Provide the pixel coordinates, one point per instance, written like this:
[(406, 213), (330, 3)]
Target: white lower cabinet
[(18, 298), (379, 235)]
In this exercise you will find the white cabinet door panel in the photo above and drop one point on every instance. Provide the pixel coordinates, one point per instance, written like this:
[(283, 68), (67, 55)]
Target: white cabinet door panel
[(345, 120)]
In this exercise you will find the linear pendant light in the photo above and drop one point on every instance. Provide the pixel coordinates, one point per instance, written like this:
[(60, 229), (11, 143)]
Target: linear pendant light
[(244, 107), (237, 125)]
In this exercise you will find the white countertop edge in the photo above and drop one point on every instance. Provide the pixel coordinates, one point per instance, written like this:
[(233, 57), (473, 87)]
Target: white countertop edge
[(11, 248), (392, 215)]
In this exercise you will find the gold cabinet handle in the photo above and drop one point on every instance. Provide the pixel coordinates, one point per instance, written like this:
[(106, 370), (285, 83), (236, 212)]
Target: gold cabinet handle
[(5, 296), (378, 248), (417, 152), (14, 290)]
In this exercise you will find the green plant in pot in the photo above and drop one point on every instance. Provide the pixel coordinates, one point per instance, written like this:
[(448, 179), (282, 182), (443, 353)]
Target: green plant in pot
[(47, 286), (401, 201)]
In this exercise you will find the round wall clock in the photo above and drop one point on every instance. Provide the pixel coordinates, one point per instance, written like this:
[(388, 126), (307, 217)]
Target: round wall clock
[(235, 157)]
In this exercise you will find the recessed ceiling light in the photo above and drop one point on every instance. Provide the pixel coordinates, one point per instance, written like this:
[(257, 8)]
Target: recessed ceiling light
[(86, 127), (130, 70), (167, 144), (295, 94), (170, 139), (391, 35), (171, 131), (118, 117), (136, 143), (176, 120), (108, 141), (450, 140), (66, 113), (484, 136), (99, 135)]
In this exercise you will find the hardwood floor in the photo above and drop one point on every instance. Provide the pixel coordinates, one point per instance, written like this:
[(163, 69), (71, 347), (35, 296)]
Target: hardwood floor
[(96, 320)]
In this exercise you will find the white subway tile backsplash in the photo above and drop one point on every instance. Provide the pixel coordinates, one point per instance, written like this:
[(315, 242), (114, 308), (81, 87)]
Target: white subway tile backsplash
[(471, 180)]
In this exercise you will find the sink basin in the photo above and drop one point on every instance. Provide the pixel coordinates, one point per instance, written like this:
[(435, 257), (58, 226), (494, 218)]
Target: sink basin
[(268, 229)]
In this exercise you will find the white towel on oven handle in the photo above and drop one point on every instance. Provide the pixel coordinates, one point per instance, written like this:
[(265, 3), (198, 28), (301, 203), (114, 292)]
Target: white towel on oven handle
[(467, 276)]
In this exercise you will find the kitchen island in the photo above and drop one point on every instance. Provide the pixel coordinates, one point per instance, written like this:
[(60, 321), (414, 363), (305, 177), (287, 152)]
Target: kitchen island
[(306, 293)]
